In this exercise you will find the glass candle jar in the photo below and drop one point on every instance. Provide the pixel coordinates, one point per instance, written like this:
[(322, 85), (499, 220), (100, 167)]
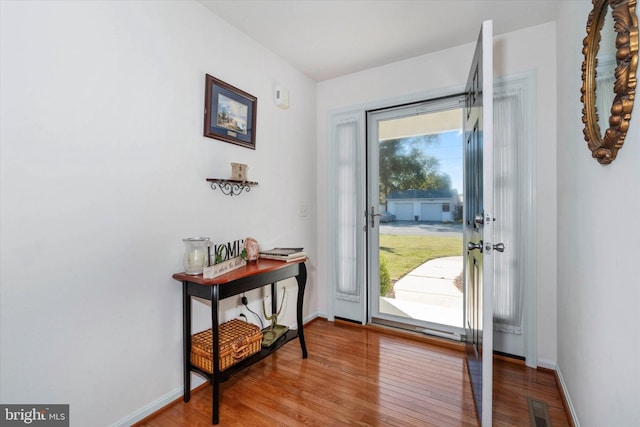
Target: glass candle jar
[(196, 252)]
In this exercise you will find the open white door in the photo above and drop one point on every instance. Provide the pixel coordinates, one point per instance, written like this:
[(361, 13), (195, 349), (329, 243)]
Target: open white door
[(478, 227)]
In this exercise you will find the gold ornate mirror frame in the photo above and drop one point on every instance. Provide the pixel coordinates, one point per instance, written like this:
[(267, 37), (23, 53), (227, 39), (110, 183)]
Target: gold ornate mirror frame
[(605, 148)]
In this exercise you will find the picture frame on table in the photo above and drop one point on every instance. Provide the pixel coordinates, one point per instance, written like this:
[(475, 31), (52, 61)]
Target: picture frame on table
[(229, 113)]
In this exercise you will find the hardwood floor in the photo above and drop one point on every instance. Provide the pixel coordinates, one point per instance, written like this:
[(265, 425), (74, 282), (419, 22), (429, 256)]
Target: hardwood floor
[(364, 377)]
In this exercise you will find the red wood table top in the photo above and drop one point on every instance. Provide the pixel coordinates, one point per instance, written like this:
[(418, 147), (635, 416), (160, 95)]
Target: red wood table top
[(262, 265)]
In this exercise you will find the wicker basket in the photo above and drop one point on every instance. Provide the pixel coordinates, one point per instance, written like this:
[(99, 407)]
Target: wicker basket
[(237, 340)]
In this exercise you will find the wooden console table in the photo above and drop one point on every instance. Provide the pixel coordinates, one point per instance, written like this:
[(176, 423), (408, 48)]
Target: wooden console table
[(252, 276)]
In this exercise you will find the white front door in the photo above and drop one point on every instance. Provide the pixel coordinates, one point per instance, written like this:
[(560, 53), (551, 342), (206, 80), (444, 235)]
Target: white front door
[(478, 223)]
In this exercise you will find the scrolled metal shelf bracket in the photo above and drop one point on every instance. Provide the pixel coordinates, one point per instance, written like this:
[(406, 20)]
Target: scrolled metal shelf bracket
[(231, 187)]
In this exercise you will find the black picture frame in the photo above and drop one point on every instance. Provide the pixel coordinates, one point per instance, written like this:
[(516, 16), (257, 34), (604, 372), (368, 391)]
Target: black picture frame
[(229, 113)]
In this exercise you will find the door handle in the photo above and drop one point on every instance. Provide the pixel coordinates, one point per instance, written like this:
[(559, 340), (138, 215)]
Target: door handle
[(373, 217), (471, 246), (498, 247)]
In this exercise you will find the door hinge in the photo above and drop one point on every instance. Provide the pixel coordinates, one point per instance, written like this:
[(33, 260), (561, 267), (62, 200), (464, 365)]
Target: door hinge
[(366, 217)]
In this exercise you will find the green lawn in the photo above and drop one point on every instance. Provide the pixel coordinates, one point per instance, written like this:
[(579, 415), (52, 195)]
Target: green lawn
[(404, 253)]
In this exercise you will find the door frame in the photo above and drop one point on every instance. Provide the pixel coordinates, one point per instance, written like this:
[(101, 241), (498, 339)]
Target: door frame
[(529, 79), (448, 102), (359, 112)]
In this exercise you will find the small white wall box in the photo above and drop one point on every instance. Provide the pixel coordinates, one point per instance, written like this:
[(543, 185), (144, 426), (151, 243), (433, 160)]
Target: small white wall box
[(239, 171), (282, 98)]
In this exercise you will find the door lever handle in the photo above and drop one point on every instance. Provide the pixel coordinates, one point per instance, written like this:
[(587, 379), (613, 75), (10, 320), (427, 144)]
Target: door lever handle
[(373, 217)]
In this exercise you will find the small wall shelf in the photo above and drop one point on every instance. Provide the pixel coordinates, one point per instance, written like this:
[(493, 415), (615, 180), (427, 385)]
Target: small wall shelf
[(231, 187)]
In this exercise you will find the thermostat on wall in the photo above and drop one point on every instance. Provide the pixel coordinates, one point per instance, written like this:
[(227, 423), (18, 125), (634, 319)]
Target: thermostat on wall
[(282, 98)]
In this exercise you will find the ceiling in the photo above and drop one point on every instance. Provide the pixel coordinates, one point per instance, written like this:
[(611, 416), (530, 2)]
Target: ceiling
[(329, 38)]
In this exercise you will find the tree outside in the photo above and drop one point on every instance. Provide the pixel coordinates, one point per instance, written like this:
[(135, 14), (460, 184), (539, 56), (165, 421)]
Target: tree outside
[(404, 165)]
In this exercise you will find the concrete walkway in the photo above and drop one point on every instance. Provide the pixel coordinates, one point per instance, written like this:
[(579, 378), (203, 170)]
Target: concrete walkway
[(429, 293)]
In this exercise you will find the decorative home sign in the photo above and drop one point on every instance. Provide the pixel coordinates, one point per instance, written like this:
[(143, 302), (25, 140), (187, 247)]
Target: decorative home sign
[(227, 251), (224, 267), (227, 257), (229, 113)]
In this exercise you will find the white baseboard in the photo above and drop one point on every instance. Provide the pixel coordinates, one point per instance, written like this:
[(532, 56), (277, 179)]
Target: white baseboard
[(547, 364), (312, 316), (156, 405), (565, 391), (163, 401)]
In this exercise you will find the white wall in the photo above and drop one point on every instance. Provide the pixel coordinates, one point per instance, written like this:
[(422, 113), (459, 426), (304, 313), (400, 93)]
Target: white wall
[(440, 73), (103, 173), (598, 292), (102, 168)]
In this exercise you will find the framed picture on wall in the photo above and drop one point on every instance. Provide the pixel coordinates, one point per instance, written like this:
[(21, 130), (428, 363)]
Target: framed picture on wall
[(229, 113)]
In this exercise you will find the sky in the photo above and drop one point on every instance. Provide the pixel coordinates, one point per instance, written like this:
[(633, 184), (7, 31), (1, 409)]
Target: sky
[(415, 129), (448, 150)]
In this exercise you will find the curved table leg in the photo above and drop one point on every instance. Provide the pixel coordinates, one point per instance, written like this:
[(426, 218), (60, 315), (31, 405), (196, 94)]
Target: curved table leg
[(301, 278)]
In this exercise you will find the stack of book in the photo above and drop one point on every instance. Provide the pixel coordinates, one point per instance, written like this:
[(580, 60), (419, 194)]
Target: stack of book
[(284, 254)]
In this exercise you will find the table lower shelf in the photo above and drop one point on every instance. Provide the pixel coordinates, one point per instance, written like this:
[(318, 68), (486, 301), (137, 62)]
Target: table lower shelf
[(254, 358)]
